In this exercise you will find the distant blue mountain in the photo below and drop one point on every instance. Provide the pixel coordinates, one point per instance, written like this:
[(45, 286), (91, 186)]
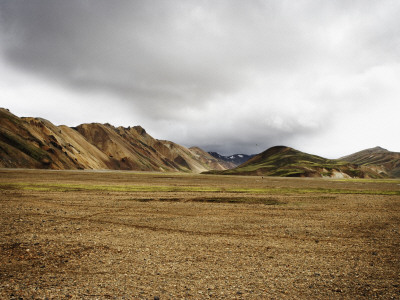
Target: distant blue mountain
[(237, 159)]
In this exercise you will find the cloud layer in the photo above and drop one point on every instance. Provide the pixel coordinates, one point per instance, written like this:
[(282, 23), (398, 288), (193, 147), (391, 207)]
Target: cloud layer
[(229, 76)]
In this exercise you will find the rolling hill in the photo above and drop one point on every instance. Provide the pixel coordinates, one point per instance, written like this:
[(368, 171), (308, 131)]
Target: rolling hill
[(37, 143), (288, 162), (377, 157)]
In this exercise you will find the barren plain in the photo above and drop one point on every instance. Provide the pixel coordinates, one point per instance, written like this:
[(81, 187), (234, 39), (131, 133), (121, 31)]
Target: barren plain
[(130, 235)]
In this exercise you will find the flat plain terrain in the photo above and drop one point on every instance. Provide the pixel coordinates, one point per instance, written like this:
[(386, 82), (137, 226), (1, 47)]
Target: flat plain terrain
[(127, 235)]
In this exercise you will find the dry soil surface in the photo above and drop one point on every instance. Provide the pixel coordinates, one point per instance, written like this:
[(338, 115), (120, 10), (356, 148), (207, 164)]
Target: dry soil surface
[(125, 235)]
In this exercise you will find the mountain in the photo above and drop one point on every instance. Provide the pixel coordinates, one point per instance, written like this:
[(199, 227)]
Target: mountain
[(37, 143), (235, 159), (288, 162), (379, 157), (214, 162)]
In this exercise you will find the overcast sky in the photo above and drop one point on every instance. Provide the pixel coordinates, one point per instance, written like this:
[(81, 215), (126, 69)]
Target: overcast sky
[(231, 76)]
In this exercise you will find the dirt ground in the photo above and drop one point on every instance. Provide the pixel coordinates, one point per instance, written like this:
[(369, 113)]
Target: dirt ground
[(92, 235)]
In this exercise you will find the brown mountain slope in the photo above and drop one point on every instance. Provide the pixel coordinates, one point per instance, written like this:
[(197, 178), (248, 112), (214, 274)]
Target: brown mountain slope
[(37, 143), (380, 158), (133, 149), (124, 147), (18, 147), (213, 162), (190, 158), (66, 147)]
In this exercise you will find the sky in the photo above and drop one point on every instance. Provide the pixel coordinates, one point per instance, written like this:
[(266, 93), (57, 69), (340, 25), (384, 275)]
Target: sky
[(230, 76)]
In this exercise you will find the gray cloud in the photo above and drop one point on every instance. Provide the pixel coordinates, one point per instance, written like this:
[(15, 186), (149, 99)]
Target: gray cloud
[(232, 76)]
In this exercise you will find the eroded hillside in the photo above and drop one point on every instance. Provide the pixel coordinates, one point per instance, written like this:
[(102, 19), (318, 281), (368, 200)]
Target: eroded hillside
[(377, 157), (37, 143)]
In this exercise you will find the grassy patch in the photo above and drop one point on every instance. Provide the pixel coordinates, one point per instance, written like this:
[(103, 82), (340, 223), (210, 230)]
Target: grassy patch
[(107, 188), (147, 188), (369, 180)]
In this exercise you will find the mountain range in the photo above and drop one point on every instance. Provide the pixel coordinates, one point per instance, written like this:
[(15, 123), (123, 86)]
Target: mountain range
[(288, 162), (37, 143), (235, 159)]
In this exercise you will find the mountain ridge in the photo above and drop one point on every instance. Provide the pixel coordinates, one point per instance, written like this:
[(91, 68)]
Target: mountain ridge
[(30, 142)]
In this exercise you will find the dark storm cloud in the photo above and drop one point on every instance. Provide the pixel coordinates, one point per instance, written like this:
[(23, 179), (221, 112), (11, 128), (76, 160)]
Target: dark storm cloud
[(147, 49), (176, 52), (233, 76)]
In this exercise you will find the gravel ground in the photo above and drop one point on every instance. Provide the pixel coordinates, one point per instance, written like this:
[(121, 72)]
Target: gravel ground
[(94, 244)]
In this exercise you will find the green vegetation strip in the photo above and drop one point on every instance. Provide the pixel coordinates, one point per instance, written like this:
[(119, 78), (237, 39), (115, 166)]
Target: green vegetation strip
[(107, 188), (363, 180), (145, 188)]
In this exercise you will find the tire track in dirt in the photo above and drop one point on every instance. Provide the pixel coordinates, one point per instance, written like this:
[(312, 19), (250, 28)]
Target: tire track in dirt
[(157, 229)]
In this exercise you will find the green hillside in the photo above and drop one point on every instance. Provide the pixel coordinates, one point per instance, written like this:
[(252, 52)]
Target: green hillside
[(377, 156), (288, 162)]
